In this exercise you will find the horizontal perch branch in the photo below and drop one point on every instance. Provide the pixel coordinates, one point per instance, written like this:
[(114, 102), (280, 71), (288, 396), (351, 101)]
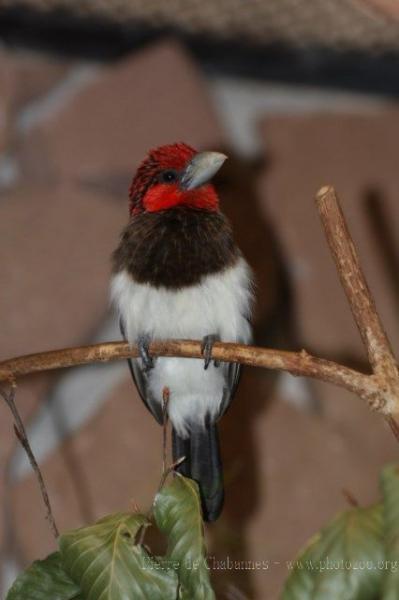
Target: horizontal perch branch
[(296, 363), (380, 389)]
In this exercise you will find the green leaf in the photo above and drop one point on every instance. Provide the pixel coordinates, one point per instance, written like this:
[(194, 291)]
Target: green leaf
[(177, 512), (107, 563), (390, 491), (44, 580), (342, 561)]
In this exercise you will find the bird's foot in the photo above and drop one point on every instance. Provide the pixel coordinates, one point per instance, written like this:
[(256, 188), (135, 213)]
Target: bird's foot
[(206, 349), (143, 343)]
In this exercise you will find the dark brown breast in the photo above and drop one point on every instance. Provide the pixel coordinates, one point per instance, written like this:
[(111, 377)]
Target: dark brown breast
[(176, 247)]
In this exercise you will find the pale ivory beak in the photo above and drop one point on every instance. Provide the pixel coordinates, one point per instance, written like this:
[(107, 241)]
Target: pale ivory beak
[(201, 169)]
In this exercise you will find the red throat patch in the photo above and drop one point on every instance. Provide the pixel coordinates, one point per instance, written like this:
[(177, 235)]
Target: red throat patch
[(163, 196)]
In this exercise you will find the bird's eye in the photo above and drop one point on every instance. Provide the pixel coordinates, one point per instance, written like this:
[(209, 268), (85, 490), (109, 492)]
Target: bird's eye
[(169, 176)]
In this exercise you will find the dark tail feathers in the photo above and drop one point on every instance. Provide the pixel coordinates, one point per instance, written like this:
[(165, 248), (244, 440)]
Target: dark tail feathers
[(203, 464)]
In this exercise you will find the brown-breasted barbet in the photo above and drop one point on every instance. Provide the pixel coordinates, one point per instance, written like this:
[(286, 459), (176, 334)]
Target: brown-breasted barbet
[(178, 274)]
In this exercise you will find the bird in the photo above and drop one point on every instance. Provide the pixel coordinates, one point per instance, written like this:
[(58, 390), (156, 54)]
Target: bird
[(178, 274)]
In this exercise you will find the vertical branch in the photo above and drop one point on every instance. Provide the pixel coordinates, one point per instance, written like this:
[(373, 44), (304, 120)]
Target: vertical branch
[(354, 283), (20, 432)]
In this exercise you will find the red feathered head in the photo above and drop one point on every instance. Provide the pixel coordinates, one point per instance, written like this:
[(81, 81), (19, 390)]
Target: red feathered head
[(174, 175)]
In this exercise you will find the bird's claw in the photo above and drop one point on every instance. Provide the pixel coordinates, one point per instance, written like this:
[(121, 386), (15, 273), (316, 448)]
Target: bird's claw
[(206, 349), (143, 343)]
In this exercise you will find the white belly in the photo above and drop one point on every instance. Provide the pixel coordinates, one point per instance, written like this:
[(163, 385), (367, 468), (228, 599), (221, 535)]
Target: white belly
[(220, 305)]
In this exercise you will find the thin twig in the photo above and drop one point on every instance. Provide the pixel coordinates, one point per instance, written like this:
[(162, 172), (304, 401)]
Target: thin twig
[(170, 470), (20, 433), (350, 498), (165, 402), (165, 474)]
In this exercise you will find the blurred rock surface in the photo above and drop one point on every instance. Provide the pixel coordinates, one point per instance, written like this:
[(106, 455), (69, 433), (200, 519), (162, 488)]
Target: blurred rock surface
[(154, 97), (356, 154)]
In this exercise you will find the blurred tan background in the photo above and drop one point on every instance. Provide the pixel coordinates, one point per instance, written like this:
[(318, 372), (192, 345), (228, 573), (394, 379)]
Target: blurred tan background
[(298, 94)]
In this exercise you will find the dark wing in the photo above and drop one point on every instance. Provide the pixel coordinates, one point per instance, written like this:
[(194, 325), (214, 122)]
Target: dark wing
[(141, 382), (233, 374)]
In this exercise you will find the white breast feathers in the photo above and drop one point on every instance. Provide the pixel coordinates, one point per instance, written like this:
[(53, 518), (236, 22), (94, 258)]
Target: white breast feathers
[(220, 304)]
